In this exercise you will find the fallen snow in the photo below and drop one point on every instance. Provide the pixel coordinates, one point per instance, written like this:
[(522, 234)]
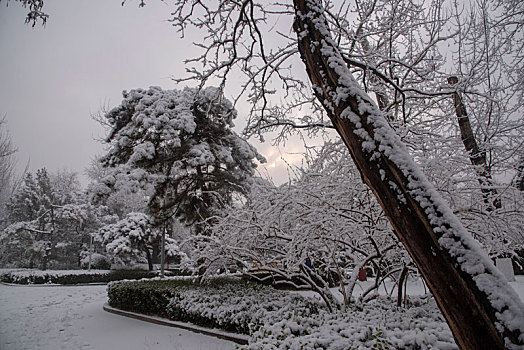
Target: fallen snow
[(56, 317), (71, 317)]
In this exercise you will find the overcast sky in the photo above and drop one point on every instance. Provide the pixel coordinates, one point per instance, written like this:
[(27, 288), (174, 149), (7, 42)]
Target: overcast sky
[(53, 78)]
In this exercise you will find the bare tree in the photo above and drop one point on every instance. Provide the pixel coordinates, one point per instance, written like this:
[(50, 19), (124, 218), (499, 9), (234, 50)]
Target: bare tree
[(443, 250), (307, 233), (476, 155)]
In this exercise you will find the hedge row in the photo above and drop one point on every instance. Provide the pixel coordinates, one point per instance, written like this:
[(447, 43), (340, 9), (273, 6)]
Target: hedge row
[(232, 304), (72, 277), (276, 319)]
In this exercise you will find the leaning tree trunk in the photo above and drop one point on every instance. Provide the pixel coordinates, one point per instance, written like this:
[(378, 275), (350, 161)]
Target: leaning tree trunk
[(477, 156), (480, 307)]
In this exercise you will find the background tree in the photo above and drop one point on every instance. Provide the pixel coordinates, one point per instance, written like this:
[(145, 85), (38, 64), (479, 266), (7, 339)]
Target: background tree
[(132, 237), (8, 177), (179, 147), (49, 222)]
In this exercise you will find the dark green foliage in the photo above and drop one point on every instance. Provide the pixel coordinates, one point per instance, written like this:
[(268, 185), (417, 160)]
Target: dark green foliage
[(147, 297)]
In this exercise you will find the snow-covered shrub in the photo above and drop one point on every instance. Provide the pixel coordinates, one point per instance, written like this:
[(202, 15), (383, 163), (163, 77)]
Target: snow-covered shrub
[(378, 325), (98, 261), (55, 276), (130, 239), (277, 319), (240, 307), (148, 297)]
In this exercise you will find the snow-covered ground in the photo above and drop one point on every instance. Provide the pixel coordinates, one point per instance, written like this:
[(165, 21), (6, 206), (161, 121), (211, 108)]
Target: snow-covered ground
[(55, 317)]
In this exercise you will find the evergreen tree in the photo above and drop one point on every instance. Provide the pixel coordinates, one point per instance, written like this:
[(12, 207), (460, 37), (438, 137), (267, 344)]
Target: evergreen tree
[(180, 148), (48, 220)]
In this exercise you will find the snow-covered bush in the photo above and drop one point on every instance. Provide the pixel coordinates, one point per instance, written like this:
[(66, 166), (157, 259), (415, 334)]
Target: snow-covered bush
[(378, 325), (129, 239), (239, 306), (98, 261), (277, 319)]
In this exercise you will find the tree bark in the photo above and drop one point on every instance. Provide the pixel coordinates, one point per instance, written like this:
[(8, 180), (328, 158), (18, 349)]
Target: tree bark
[(519, 181), (477, 156), (149, 258), (401, 281), (426, 226)]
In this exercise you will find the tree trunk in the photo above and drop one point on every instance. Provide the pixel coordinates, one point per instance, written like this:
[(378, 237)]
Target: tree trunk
[(401, 281), (470, 292), (149, 258), (477, 156), (519, 181)]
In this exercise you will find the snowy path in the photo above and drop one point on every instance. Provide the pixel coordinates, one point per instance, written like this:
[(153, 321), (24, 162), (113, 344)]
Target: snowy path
[(48, 318)]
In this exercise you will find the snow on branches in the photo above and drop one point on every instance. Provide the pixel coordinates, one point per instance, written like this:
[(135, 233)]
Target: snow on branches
[(133, 236), (307, 233), (177, 145)]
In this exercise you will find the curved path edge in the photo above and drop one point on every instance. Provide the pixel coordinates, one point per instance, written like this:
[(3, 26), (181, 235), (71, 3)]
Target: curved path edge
[(237, 338)]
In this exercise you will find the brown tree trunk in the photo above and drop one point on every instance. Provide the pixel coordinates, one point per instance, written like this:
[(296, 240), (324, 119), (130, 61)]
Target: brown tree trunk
[(477, 156), (149, 258), (435, 239), (44, 262), (401, 281)]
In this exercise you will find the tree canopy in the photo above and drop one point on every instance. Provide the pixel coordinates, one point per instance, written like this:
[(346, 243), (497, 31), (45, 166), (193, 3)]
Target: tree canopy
[(178, 146)]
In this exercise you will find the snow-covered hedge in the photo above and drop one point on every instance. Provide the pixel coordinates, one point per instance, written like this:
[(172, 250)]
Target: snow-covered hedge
[(232, 304), (71, 276), (284, 320)]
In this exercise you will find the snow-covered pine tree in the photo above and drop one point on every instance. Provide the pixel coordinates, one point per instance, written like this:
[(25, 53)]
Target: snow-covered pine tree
[(180, 146)]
